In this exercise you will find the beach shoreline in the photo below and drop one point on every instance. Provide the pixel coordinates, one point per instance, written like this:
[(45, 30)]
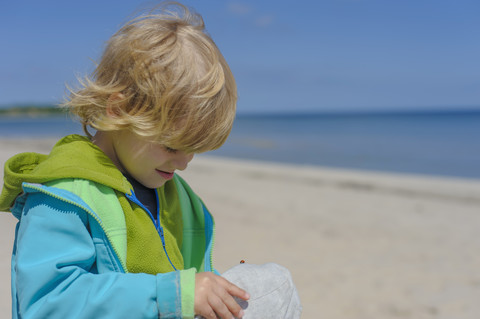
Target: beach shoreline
[(359, 244)]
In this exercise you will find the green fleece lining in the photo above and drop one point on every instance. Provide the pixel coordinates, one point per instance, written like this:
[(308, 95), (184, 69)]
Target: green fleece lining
[(145, 249)]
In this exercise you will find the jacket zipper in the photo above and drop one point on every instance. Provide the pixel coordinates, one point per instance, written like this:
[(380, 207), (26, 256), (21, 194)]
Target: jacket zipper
[(210, 223), (157, 224), (213, 243)]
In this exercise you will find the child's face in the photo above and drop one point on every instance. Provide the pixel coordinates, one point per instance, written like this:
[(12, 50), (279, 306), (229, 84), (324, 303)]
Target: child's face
[(151, 164)]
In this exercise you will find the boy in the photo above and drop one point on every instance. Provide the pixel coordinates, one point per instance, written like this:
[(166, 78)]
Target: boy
[(106, 228)]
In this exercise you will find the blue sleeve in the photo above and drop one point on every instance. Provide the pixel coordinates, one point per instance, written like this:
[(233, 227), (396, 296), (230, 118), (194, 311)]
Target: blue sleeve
[(55, 274)]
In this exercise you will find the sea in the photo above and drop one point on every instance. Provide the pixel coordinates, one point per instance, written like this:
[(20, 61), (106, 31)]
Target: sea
[(441, 143)]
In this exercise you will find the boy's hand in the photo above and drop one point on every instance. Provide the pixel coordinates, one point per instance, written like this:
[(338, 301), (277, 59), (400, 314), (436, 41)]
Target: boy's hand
[(214, 297)]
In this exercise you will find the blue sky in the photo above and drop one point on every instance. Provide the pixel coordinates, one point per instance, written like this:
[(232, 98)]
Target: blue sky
[(323, 55)]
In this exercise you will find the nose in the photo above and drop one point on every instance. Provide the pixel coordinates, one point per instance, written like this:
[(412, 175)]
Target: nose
[(182, 159)]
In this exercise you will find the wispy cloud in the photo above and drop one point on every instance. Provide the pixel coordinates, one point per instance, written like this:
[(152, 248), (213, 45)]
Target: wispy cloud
[(245, 10), (264, 21), (239, 8)]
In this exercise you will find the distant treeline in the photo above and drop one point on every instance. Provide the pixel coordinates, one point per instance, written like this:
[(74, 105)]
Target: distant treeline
[(31, 110)]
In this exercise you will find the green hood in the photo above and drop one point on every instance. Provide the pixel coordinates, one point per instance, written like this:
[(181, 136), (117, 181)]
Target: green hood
[(74, 156)]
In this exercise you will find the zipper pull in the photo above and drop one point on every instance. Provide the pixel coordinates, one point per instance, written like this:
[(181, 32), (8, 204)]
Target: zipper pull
[(162, 237)]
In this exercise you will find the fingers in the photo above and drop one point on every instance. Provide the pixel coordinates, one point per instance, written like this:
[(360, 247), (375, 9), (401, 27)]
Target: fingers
[(214, 297), (235, 291), (225, 308)]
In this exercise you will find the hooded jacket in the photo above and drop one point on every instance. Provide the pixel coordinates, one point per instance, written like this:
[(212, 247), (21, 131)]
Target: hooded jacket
[(85, 247)]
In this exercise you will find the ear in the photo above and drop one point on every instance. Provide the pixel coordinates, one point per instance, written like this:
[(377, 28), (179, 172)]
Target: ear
[(115, 104)]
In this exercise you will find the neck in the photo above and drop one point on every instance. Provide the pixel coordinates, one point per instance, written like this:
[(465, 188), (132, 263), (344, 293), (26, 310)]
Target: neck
[(104, 140)]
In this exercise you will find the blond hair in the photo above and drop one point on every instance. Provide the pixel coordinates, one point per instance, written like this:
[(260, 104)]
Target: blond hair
[(176, 86)]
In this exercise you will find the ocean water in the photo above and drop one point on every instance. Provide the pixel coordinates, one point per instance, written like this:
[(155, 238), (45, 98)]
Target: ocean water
[(441, 143)]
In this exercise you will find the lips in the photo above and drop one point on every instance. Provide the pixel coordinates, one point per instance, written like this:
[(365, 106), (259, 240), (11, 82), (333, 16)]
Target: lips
[(165, 175)]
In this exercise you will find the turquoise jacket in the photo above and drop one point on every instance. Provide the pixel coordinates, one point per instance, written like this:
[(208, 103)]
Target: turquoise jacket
[(70, 252)]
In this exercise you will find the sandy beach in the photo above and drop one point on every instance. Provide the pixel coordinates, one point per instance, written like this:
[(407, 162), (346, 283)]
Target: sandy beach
[(360, 245)]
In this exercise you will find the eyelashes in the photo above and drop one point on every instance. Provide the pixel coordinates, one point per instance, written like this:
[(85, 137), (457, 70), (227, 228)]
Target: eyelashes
[(170, 150)]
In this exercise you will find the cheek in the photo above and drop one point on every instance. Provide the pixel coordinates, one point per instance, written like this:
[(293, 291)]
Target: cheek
[(152, 157), (145, 157), (134, 158)]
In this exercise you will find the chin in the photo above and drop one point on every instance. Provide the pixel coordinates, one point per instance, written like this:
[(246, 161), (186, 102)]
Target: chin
[(154, 185)]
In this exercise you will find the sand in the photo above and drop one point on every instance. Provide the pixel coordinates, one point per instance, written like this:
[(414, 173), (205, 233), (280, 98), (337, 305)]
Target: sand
[(360, 245)]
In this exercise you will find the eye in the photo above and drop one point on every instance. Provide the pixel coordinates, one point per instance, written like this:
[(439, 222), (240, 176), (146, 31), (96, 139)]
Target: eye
[(170, 150)]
